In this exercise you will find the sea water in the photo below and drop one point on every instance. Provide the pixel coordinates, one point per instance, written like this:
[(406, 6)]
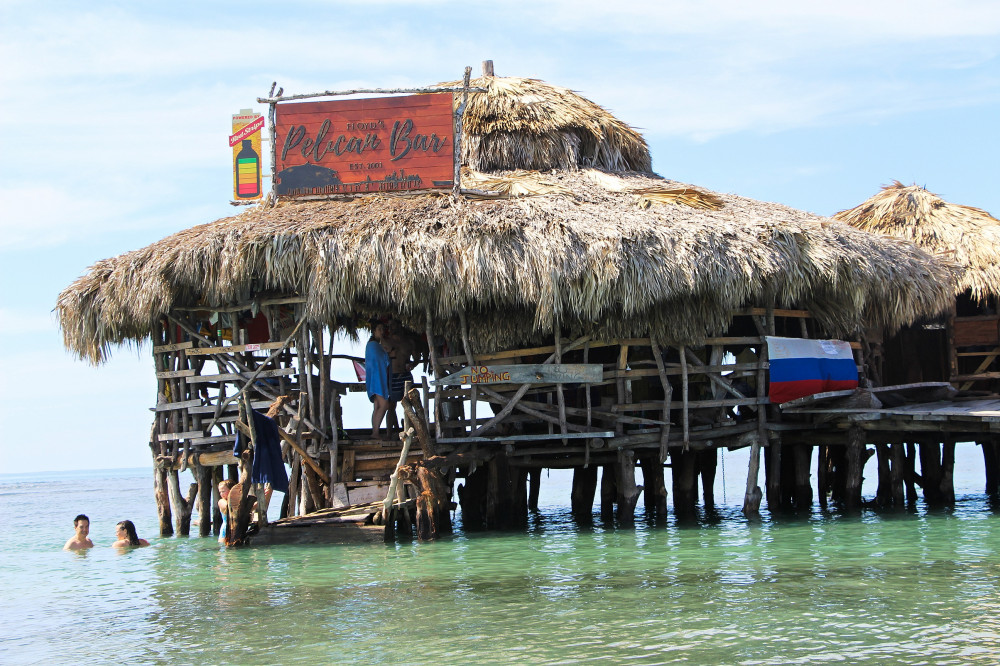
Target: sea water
[(915, 587)]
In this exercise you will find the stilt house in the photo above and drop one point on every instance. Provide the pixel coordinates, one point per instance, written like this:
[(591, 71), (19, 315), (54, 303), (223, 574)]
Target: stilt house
[(579, 311)]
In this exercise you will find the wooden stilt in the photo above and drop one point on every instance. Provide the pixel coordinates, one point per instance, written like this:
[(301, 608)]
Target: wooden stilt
[(897, 466), (822, 480), (802, 494), (162, 494), (855, 453), (204, 476), (772, 475), (608, 492), (991, 461), (472, 498), (948, 471), (216, 513), (534, 483), (910, 472), (707, 462), (883, 495), (627, 492), (181, 506), (930, 472), (499, 507), (583, 492), (654, 488), (684, 478), (752, 497)]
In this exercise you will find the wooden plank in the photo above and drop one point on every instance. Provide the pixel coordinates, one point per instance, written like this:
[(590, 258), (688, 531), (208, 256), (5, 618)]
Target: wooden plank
[(804, 314), (527, 438), (552, 373), (177, 346), (215, 439), (234, 349), (693, 404), (176, 436), (170, 406), (171, 374), (235, 376), (231, 407)]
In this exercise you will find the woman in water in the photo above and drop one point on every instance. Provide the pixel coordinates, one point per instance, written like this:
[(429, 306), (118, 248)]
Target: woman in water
[(125, 531)]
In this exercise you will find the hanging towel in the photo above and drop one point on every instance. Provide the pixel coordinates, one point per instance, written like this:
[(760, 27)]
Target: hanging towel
[(804, 367), (268, 467)]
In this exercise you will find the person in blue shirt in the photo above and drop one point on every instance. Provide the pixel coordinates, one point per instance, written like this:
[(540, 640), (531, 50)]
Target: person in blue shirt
[(377, 377)]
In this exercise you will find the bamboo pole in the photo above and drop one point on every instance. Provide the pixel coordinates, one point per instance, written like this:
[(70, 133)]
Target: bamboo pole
[(684, 396), (468, 355), (668, 394), (436, 369), (560, 397)]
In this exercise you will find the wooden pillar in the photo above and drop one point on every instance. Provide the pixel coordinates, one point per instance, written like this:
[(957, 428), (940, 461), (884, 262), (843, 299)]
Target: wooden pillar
[(991, 461), (499, 492), (930, 472), (897, 466), (883, 495), (627, 492), (216, 513), (582, 495), (472, 498), (707, 462), (772, 475), (654, 488), (608, 492), (802, 495), (948, 471), (855, 454), (204, 476), (518, 497), (181, 506), (684, 478), (752, 497), (910, 472), (534, 483), (162, 494)]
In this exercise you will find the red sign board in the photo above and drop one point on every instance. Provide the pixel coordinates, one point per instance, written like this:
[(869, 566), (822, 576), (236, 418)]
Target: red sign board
[(387, 144)]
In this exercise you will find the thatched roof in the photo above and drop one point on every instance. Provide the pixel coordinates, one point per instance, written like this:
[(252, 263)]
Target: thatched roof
[(616, 254), (530, 124), (968, 236)]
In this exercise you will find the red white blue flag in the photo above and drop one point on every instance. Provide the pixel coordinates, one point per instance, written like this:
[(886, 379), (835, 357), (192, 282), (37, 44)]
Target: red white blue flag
[(803, 367)]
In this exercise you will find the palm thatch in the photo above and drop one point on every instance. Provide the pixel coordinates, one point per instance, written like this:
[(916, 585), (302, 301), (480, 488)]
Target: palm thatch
[(570, 245), (968, 236), (608, 267), (531, 124)]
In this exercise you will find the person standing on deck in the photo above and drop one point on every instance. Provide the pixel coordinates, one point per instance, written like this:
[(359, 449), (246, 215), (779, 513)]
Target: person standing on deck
[(403, 355), (80, 540), (377, 379)]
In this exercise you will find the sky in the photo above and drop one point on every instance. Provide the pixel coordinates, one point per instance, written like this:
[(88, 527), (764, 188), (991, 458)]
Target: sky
[(115, 119)]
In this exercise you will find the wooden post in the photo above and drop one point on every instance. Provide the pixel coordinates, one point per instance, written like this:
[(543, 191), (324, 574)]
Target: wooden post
[(855, 467), (803, 496), (668, 394), (581, 497), (684, 477), (474, 398), (627, 490), (772, 475), (930, 472), (654, 487), (472, 497), (534, 482), (609, 489), (162, 499), (948, 470), (896, 473), (181, 506), (684, 395), (910, 473), (991, 462), (436, 369), (883, 495), (707, 462), (499, 508), (216, 513), (823, 487), (204, 475)]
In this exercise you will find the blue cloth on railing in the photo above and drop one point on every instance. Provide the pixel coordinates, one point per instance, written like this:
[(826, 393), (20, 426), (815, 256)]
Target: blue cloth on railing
[(268, 467)]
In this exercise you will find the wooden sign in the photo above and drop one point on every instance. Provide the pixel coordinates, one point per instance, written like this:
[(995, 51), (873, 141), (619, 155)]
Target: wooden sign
[(573, 373), (385, 144), (245, 143)]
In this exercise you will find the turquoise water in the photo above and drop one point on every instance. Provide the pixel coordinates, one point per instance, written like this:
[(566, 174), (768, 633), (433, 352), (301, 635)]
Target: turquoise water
[(904, 588)]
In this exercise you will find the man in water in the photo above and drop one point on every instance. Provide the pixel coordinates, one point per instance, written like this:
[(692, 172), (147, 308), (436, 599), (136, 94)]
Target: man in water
[(80, 540)]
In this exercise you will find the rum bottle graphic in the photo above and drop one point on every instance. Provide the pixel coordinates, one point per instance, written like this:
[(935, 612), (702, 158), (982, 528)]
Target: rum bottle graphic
[(247, 172)]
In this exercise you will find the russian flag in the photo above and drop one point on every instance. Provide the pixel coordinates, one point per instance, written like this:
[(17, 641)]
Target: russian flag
[(802, 367)]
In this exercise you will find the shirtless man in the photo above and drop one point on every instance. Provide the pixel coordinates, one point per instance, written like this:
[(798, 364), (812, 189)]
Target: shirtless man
[(403, 356), (80, 540)]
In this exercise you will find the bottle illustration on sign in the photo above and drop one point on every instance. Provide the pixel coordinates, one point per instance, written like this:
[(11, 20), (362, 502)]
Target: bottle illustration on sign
[(247, 172)]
